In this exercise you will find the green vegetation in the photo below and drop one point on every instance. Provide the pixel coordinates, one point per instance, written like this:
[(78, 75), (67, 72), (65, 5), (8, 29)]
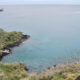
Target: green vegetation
[(8, 39), (14, 71), (17, 71), (61, 72)]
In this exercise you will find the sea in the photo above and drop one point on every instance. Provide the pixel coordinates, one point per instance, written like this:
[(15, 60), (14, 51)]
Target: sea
[(54, 34)]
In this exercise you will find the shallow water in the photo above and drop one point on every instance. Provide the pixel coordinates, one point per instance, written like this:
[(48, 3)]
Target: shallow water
[(54, 31)]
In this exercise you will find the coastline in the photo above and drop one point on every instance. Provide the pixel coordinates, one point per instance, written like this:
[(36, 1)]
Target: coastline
[(56, 72), (8, 50)]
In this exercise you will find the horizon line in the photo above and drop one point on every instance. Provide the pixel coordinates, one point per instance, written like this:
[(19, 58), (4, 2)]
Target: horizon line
[(43, 4)]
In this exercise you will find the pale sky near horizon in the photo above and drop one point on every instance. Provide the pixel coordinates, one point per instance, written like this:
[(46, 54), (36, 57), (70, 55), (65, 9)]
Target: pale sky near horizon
[(3, 2)]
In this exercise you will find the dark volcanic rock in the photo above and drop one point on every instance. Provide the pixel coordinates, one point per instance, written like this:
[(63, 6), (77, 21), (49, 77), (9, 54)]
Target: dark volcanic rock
[(1, 10), (78, 78)]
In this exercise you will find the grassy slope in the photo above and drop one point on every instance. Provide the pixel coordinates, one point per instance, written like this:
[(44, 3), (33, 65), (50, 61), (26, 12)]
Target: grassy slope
[(8, 38), (61, 72), (17, 71), (14, 71)]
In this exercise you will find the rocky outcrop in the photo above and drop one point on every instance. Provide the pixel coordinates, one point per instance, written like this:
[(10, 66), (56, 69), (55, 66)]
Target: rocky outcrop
[(1, 10), (7, 50)]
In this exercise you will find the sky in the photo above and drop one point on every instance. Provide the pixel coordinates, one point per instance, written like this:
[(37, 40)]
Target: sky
[(3, 2)]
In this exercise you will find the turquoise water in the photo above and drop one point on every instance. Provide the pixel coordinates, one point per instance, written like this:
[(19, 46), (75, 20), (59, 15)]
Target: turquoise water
[(54, 31)]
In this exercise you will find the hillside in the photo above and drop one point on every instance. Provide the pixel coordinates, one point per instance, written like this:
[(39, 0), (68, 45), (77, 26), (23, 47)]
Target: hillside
[(9, 40)]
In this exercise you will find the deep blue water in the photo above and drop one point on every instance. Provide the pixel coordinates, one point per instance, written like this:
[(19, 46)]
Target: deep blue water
[(54, 31)]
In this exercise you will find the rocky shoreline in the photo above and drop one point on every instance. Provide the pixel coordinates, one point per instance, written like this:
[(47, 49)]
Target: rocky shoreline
[(7, 50)]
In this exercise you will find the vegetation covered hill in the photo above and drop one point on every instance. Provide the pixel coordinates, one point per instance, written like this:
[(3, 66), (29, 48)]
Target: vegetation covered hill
[(14, 71), (17, 71), (9, 39)]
